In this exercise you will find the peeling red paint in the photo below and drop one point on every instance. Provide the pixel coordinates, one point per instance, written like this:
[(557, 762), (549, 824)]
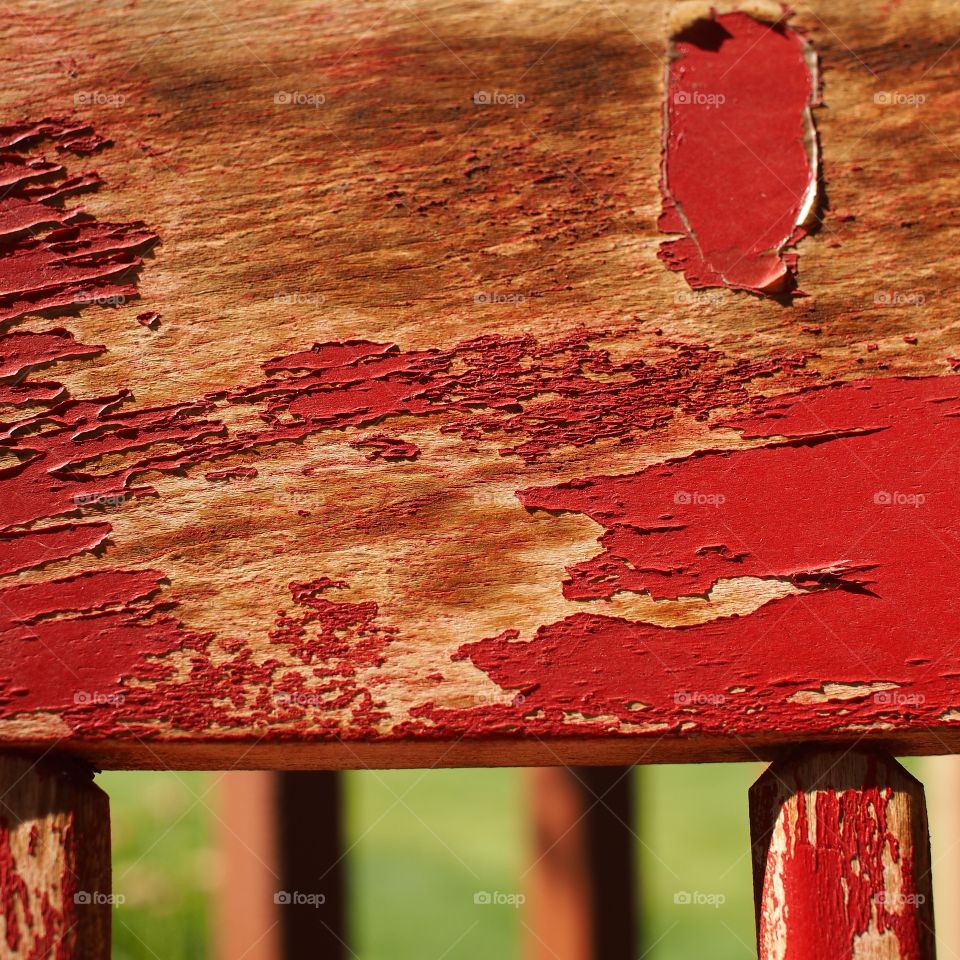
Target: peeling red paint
[(865, 483), (836, 882), (14, 892), (391, 449), (35, 927), (739, 166), (59, 257), (23, 549), (107, 633)]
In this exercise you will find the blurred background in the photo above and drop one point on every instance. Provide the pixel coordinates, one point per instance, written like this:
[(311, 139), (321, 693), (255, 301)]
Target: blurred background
[(421, 844)]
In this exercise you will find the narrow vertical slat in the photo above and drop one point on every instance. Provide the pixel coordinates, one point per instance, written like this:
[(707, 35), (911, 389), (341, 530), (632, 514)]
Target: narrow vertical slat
[(941, 777), (581, 889), (245, 921), (311, 860), (282, 871)]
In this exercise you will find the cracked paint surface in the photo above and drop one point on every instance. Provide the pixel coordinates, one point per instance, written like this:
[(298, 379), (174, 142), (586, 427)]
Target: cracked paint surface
[(107, 650), (861, 475)]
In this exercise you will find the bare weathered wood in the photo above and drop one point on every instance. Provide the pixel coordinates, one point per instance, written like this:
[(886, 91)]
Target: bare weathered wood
[(841, 859), (55, 881), (582, 896)]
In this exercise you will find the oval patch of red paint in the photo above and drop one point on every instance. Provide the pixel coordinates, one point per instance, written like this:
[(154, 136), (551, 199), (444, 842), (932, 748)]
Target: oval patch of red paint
[(739, 175)]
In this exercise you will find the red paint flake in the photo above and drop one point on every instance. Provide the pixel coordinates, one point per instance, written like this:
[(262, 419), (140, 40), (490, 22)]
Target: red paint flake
[(23, 549), (24, 352), (954, 363), (56, 258), (390, 449), (541, 395), (149, 318), (910, 338), (738, 174), (857, 507)]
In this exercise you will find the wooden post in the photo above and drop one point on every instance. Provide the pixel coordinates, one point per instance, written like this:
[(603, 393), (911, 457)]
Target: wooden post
[(280, 841), (581, 884), (55, 892), (841, 859)]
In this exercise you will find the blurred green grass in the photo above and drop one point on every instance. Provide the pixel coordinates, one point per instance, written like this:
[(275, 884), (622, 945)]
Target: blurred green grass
[(422, 843)]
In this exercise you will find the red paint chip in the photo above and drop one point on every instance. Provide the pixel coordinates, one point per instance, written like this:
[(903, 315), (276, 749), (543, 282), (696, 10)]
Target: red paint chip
[(739, 175)]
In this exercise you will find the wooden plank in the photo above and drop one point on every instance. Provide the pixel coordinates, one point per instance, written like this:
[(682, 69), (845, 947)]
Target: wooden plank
[(841, 859), (582, 896), (280, 838), (361, 423), (54, 861)]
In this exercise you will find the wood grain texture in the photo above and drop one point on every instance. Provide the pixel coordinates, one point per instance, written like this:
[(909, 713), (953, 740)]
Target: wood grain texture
[(54, 862), (525, 502), (841, 857)]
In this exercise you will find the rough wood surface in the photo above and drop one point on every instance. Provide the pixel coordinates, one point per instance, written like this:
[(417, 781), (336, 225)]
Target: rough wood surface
[(841, 859), (449, 533), (55, 892)]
